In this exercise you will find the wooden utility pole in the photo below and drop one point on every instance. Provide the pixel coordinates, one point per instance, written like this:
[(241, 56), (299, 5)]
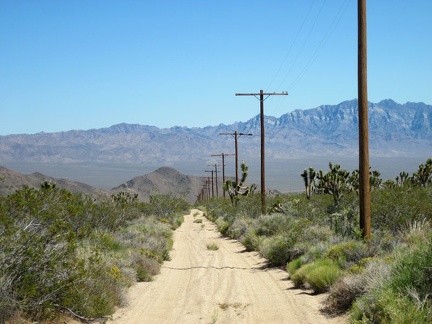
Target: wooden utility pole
[(215, 172), (223, 167), (261, 95), (236, 135), (205, 190), (364, 185), (212, 184)]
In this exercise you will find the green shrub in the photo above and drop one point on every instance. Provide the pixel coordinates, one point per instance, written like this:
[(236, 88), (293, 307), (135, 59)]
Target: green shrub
[(222, 225), (318, 276), (165, 206), (346, 253), (393, 208), (239, 228), (96, 291), (404, 295), (387, 306), (293, 266), (412, 274), (277, 249), (299, 276), (273, 224), (145, 267), (323, 275), (251, 241)]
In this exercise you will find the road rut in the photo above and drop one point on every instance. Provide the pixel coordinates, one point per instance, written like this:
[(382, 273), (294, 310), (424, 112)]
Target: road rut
[(228, 285)]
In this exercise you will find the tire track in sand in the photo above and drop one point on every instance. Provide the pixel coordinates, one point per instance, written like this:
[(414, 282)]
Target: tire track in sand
[(228, 285)]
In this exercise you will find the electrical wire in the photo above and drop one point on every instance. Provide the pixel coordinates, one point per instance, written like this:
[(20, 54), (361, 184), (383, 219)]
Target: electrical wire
[(318, 49), (292, 46), (321, 45)]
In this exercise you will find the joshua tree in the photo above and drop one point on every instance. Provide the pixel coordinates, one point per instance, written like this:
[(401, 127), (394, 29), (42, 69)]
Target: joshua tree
[(309, 181), (235, 190), (335, 182), (423, 176)]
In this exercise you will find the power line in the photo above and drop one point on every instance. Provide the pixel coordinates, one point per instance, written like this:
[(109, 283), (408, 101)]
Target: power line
[(261, 95), (292, 45), (320, 46), (223, 155), (236, 135)]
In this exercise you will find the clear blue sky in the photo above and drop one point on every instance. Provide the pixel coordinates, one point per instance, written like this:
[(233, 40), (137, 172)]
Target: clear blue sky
[(89, 64)]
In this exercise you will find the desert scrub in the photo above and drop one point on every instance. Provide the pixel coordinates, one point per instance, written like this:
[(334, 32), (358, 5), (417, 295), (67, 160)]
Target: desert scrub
[(98, 288), (239, 228), (165, 206), (370, 277), (222, 225), (277, 249), (405, 294), (251, 241), (347, 253), (393, 208), (268, 225), (198, 220), (62, 250)]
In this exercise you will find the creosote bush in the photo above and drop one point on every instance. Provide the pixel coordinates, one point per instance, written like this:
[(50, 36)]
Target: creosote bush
[(64, 252)]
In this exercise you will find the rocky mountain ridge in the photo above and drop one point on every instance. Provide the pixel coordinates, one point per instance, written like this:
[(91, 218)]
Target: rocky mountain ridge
[(394, 130)]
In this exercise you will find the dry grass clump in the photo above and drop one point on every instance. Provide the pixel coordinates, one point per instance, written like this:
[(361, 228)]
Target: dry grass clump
[(347, 289), (212, 246)]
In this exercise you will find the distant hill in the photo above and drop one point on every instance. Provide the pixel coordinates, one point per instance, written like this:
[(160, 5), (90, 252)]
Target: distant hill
[(329, 130), (10, 181), (164, 180)]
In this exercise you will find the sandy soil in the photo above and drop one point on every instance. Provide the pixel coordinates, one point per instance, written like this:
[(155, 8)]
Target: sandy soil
[(228, 285)]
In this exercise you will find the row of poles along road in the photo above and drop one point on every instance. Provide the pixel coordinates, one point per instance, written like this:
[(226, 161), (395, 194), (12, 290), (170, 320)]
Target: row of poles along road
[(364, 188), (208, 191)]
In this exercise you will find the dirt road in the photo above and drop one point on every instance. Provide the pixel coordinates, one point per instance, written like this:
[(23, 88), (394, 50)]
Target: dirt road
[(227, 285)]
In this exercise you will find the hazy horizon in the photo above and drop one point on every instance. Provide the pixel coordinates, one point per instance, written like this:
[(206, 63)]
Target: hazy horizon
[(281, 175)]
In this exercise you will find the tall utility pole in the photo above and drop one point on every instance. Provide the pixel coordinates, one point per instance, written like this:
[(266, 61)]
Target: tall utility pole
[(261, 95), (236, 135), (223, 167), (364, 185)]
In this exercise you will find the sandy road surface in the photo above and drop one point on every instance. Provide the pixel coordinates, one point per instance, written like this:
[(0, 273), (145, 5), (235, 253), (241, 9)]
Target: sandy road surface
[(228, 285)]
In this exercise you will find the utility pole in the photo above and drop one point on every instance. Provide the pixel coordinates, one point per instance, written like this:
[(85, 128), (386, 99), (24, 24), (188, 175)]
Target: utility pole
[(212, 185), (217, 189), (204, 190), (261, 95), (208, 188), (364, 185), (215, 172), (236, 135), (223, 167)]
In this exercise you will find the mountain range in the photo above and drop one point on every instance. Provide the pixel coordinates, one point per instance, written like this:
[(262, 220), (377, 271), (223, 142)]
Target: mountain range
[(328, 130)]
